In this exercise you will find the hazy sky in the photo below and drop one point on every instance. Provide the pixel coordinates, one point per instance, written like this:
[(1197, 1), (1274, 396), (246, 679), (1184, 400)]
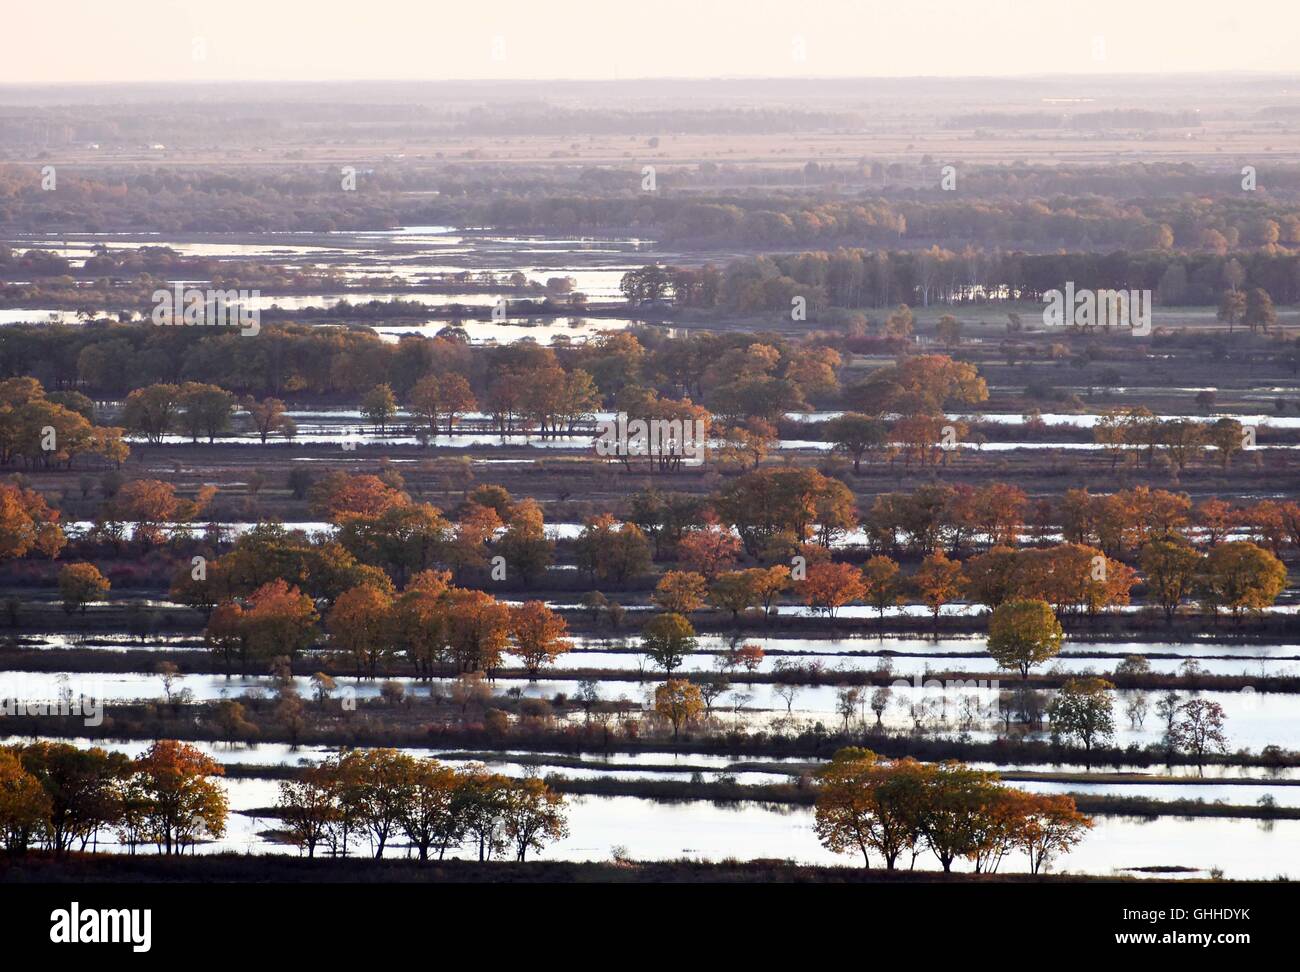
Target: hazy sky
[(161, 40)]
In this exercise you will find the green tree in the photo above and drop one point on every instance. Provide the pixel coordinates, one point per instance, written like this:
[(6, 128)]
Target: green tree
[(1228, 437), (668, 639), (1023, 634), (150, 411), (379, 405), (205, 409), (855, 434), (1171, 569), (1083, 710)]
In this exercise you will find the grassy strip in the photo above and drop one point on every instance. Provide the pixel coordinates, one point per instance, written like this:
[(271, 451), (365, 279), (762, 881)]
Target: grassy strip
[(290, 868), (367, 728)]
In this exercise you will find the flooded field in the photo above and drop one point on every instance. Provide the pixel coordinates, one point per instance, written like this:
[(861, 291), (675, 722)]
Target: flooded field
[(916, 703), (624, 449), (407, 262), (649, 830), (645, 829)]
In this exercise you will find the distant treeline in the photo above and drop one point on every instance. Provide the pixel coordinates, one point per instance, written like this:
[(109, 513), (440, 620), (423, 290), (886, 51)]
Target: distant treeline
[(1210, 224), (1115, 118), (544, 119), (859, 279), (706, 205), (109, 360), (259, 123)]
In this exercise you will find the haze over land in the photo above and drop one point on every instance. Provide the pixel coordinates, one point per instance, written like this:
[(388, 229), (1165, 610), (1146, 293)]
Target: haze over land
[(326, 330), (153, 40)]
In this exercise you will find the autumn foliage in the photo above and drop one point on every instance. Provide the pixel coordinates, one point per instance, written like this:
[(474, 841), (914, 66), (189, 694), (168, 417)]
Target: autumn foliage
[(891, 808)]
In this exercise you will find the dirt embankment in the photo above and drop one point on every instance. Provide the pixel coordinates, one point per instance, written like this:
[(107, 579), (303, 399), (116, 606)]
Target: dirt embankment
[(223, 868)]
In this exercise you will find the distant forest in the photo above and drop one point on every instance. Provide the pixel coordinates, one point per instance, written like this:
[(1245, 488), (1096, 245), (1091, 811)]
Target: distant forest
[(1181, 207)]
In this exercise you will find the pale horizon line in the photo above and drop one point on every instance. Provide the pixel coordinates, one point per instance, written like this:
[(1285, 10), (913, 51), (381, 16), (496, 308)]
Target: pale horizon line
[(1079, 75)]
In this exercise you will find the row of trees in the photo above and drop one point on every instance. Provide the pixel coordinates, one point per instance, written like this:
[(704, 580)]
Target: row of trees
[(62, 798), (725, 205), (771, 510), (1127, 520), (542, 390), (1083, 712), (430, 623), (775, 509), (774, 513), (200, 409), (383, 793), (320, 567), (1050, 223), (435, 625), (515, 384), (1183, 441), (901, 808), (863, 279), (381, 536), (1070, 577), (1235, 576), (1126, 435)]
